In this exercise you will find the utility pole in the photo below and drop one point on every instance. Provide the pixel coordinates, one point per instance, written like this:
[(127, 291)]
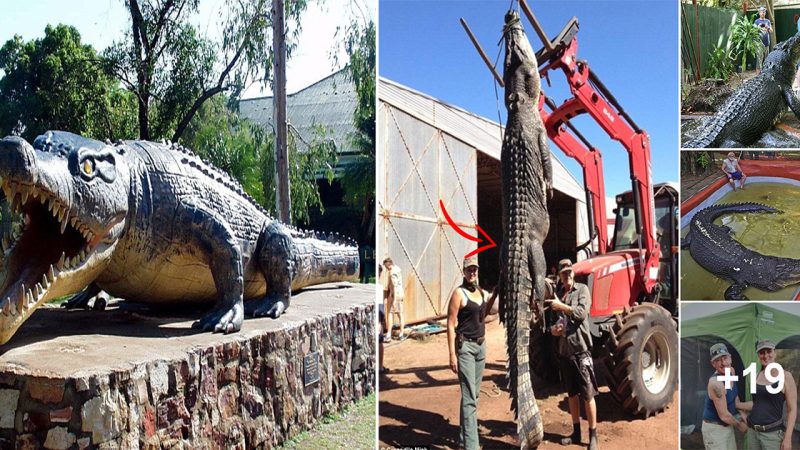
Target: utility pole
[(282, 202)]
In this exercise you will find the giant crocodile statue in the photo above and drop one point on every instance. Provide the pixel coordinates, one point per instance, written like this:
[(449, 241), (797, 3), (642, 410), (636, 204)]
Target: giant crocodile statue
[(757, 105), (148, 222), (526, 174), (713, 247)]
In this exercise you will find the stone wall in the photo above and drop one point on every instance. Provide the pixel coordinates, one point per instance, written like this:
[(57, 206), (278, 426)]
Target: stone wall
[(247, 392)]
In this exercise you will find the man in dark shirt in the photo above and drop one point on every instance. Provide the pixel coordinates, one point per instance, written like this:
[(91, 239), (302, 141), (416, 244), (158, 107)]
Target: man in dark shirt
[(571, 307)]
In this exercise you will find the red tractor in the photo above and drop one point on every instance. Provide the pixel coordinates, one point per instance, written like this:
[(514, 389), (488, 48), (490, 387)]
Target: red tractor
[(631, 277)]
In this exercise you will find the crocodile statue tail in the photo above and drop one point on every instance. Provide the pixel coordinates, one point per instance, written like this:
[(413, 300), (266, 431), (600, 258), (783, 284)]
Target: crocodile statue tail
[(324, 258)]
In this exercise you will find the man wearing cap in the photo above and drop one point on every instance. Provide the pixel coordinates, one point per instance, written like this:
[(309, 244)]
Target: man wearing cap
[(730, 166), (764, 28), (571, 306), (768, 431), (721, 405), (465, 340)]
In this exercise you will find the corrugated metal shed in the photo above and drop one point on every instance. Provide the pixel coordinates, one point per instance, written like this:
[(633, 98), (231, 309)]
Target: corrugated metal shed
[(432, 151), (329, 102), (481, 133)]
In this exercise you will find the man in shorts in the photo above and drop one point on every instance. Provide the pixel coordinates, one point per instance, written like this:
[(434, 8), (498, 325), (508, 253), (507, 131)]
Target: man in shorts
[(732, 170), (571, 306), (721, 406), (393, 295)]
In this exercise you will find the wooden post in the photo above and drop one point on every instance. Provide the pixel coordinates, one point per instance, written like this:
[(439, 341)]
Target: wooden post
[(282, 201), (697, 34)]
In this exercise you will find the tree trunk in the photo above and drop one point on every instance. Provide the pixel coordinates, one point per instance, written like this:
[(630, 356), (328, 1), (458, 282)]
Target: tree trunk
[(771, 17)]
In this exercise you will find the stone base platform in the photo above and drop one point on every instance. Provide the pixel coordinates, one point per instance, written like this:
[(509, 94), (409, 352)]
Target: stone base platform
[(130, 377)]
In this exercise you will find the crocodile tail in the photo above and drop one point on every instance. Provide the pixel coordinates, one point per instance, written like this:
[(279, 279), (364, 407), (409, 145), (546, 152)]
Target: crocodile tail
[(325, 258), (517, 287), (710, 132), (712, 212)]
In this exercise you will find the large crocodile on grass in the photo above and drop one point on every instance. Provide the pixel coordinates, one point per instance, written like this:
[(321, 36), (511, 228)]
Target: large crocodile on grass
[(527, 176), (152, 223), (713, 247), (757, 105)]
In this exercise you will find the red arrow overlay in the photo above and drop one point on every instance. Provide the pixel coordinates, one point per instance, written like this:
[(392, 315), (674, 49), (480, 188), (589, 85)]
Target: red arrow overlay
[(450, 221)]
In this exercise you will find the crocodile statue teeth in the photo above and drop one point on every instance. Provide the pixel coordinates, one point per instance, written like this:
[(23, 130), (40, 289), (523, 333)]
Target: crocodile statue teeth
[(757, 105), (526, 175), (715, 250), (152, 223)]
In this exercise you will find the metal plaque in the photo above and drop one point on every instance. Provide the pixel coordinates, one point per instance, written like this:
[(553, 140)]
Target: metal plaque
[(311, 368)]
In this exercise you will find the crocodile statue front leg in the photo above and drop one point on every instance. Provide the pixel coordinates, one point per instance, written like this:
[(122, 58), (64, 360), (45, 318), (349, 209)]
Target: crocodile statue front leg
[(81, 299), (277, 256), (210, 233)]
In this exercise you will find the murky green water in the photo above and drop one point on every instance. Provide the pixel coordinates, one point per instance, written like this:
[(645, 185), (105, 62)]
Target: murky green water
[(769, 234)]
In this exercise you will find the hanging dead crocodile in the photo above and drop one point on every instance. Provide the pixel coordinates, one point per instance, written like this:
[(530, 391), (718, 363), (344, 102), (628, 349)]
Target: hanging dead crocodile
[(757, 105), (152, 223), (526, 174), (713, 247)]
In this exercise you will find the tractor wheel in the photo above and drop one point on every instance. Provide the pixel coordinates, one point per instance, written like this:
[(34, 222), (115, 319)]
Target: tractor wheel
[(643, 360)]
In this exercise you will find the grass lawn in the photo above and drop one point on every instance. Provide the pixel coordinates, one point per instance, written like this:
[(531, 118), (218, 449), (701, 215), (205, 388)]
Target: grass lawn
[(353, 428)]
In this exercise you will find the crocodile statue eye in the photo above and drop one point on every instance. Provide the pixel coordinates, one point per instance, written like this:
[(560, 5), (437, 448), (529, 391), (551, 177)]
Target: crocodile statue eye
[(88, 166)]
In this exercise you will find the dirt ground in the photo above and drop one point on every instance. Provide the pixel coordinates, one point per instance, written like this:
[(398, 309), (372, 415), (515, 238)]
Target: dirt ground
[(419, 403)]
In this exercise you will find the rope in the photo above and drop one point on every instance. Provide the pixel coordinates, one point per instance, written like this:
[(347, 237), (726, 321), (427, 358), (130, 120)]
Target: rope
[(492, 392), (497, 96), (510, 25)]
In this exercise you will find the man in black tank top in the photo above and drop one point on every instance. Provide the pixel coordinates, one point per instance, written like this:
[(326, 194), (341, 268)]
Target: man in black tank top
[(571, 308), (768, 429)]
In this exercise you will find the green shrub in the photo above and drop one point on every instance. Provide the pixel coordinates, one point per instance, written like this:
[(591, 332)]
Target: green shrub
[(720, 64)]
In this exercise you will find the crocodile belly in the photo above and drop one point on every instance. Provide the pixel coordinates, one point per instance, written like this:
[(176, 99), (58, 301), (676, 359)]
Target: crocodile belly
[(179, 279)]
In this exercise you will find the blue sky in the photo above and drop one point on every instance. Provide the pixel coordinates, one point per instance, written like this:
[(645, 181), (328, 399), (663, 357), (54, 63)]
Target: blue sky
[(631, 45)]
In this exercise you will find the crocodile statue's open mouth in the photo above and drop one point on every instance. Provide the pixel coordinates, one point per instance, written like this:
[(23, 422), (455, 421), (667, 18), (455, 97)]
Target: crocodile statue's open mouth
[(47, 242), (47, 252)]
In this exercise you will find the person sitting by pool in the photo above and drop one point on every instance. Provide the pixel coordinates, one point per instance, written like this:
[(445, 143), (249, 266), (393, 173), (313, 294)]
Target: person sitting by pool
[(732, 170)]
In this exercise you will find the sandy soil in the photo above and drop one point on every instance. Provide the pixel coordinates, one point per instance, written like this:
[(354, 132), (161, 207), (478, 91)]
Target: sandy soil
[(419, 397)]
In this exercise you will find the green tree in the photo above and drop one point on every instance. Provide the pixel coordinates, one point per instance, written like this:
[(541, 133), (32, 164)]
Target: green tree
[(57, 82), (173, 69), (247, 153), (230, 143), (307, 161), (358, 181)]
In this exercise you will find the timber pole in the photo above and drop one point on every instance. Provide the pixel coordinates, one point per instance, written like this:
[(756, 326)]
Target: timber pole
[(282, 201)]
